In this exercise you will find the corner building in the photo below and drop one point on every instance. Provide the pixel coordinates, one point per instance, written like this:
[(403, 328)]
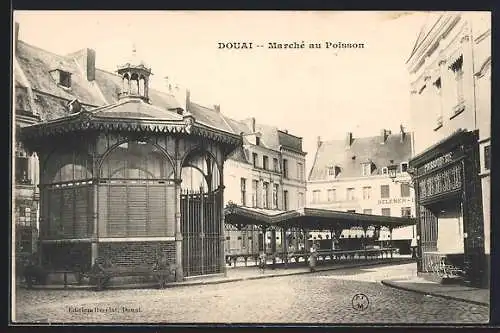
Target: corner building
[(450, 74)]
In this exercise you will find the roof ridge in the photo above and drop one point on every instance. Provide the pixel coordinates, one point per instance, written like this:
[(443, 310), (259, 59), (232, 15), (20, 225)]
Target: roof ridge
[(44, 50)]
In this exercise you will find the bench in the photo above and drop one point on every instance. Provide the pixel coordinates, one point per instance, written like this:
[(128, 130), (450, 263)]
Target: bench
[(100, 276), (444, 270), (234, 257)]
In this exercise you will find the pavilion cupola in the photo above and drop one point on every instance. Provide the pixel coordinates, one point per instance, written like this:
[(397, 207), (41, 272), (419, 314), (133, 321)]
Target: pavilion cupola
[(135, 78)]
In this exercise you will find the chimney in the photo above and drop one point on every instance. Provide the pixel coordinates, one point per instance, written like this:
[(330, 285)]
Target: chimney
[(188, 100), (253, 124), (318, 142), (348, 140), (402, 133), (16, 35), (217, 107), (182, 96), (383, 135), (86, 60), (90, 64)]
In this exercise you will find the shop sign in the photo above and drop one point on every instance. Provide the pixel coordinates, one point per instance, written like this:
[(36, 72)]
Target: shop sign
[(392, 201), (438, 162), (444, 181)]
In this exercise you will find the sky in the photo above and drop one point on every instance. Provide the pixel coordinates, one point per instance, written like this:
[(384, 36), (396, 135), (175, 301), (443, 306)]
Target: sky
[(310, 92)]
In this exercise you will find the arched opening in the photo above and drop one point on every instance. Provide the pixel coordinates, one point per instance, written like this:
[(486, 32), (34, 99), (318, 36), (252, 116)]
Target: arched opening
[(136, 160), (142, 86), (136, 192), (200, 171), (126, 83), (134, 84), (201, 214)]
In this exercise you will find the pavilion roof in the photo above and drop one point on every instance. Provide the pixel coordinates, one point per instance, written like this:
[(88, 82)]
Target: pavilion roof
[(311, 218), (130, 115)]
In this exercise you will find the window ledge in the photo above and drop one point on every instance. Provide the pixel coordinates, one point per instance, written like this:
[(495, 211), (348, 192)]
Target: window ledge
[(458, 109), (484, 173)]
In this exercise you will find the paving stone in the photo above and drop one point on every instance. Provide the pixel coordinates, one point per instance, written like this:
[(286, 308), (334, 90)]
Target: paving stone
[(323, 297)]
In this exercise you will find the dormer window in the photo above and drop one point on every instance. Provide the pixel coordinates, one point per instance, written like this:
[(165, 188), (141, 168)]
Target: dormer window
[(366, 169), (63, 78), (404, 166), (385, 171), (333, 171), (257, 141)]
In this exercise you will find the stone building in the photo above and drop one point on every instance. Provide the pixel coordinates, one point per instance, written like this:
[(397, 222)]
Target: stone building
[(352, 175), (266, 174), (450, 79), (109, 155)]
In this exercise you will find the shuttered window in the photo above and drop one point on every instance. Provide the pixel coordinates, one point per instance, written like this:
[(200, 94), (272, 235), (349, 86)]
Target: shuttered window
[(136, 197), (69, 211)]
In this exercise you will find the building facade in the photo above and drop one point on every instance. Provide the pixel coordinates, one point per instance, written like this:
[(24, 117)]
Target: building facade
[(266, 174), (352, 175), (450, 105)]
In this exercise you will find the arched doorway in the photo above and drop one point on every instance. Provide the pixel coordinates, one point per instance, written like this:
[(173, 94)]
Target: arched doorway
[(201, 209)]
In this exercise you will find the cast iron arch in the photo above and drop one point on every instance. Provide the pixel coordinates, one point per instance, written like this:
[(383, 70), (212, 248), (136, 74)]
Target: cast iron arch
[(104, 156)]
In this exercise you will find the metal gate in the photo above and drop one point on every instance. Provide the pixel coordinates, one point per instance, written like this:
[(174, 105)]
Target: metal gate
[(201, 231)]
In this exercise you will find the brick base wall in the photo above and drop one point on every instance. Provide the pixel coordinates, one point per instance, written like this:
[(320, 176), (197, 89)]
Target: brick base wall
[(136, 253)]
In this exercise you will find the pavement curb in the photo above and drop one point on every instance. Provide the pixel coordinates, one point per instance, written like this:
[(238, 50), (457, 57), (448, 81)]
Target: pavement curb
[(201, 283), (397, 286)]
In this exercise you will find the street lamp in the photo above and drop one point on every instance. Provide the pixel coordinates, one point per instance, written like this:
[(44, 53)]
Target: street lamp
[(392, 170)]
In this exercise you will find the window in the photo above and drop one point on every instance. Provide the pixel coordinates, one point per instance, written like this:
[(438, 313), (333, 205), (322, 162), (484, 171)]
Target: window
[(367, 211), (301, 199), (257, 141), (275, 196), (265, 162), (487, 158), (255, 158), (285, 200), (300, 171), (385, 171), (316, 196), (22, 163), (350, 194), (243, 191), (384, 191), (265, 195), (367, 192), (332, 195), (405, 211), (285, 168), (386, 212), (275, 165), (255, 184), (65, 79), (404, 167), (405, 190), (458, 74), (366, 169), (331, 171)]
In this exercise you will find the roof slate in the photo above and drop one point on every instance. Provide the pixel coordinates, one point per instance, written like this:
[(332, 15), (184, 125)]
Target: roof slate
[(362, 150), (51, 99)]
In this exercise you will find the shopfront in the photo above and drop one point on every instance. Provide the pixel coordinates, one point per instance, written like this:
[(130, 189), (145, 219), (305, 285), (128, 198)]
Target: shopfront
[(450, 221)]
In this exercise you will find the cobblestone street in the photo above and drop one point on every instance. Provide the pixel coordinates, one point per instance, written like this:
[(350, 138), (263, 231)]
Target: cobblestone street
[(323, 297)]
